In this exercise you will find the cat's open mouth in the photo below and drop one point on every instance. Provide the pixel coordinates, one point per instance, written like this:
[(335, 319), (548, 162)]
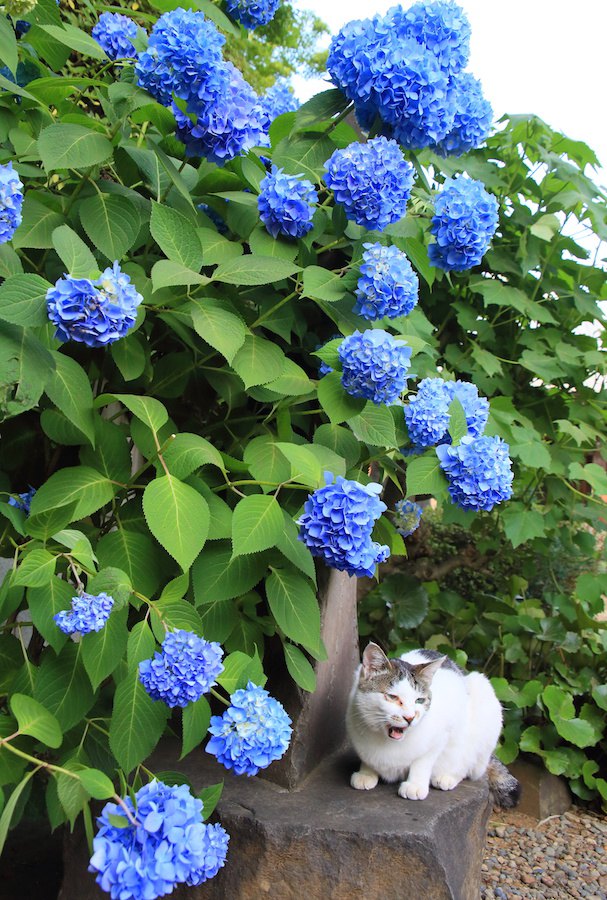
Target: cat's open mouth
[(396, 733)]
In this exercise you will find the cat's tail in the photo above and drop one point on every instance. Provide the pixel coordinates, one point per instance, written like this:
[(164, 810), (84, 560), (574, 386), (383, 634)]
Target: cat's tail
[(505, 790)]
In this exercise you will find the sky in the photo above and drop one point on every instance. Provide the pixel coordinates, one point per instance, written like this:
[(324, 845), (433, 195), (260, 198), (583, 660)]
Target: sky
[(545, 57)]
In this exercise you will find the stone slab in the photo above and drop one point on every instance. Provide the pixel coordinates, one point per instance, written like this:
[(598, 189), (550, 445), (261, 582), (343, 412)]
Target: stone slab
[(542, 794), (326, 841)]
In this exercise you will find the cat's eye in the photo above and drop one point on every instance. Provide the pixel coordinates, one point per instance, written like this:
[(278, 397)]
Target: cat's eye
[(392, 697), (420, 700)]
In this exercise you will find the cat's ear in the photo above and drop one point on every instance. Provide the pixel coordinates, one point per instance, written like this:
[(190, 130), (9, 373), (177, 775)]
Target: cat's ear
[(374, 660), (427, 671)]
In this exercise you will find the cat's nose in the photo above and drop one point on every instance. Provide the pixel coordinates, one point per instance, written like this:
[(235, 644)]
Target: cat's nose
[(409, 718)]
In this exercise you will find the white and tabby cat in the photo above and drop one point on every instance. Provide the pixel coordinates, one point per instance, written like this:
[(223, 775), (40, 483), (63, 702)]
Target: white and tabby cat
[(422, 721)]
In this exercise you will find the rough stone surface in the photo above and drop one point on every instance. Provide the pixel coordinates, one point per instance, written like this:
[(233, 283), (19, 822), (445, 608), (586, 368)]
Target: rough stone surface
[(326, 841), (542, 794), (319, 718)]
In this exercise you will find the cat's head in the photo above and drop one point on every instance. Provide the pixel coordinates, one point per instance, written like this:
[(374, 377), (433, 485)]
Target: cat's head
[(393, 695)]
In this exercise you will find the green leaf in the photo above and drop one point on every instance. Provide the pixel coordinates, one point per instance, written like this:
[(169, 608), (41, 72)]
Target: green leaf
[(210, 797), (170, 614), (219, 619), (337, 404), (299, 667), (599, 695), (407, 598), (62, 686), (167, 273), (458, 426), (562, 713), (176, 237), (592, 474), (150, 411), (217, 576), (111, 455), (68, 146), (39, 222), (216, 248), (44, 602), (85, 487), (76, 39), (103, 650), (73, 252), (11, 805), (23, 300), (10, 263), (340, 441), (521, 524), (69, 389), (263, 244), (32, 718), (322, 106), (256, 524), (187, 452), (418, 254), (37, 568), (112, 224), (137, 723), (129, 356), (195, 722), (114, 582), (293, 549), (239, 668), (8, 44), (96, 783), (252, 269), (178, 517), (425, 476), (265, 461), (294, 606), (306, 155), (374, 426), (220, 327), (321, 284), (134, 553), (258, 361), (141, 645)]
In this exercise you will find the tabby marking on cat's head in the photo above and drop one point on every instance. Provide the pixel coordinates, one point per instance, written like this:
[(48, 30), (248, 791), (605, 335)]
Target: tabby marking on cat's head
[(393, 695)]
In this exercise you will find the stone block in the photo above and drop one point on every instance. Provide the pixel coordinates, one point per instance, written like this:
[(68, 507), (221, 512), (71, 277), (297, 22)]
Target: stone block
[(326, 841), (542, 794)]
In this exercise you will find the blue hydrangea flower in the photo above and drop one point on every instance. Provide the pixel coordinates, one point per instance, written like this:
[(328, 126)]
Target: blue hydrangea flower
[(279, 99), (286, 204), (230, 123), (253, 732), (478, 470), (374, 365), (89, 612), (183, 57), (473, 118), (441, 26), (214, 216), (11, 202), (23, 501), (407, 516), (22, 27), (164, 843), (427, 413), (465, 219), (387, 286), (252, 13), (115, 34), (337, 524), (185, 669), (371, 181), (95, 313)]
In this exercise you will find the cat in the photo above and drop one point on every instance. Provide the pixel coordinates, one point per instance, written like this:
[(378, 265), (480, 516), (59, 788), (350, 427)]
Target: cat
[(422, 721)]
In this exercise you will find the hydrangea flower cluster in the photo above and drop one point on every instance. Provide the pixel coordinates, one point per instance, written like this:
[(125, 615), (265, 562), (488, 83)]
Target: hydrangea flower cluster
[(115, 34), (405, 69), (478, 470), (374, 365), (183, 671), (11, 202), (253, 732), (286, 204), (407, 516), (23, 501), (387, 286), (337, 524), (279, 99), (465, 219), (473, 118), (165, 845), (371, 181), (89, 612), (252, 13), (223, 116), (427, 413), (95, 313)]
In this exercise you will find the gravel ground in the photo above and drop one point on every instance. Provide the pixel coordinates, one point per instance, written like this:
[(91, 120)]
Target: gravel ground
[(561, 857)]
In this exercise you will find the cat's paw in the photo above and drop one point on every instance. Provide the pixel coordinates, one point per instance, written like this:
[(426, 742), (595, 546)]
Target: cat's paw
[(364, 781), (445, 782), (412, 790)]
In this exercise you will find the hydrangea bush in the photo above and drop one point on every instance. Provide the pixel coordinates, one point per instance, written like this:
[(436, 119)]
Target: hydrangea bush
[(178, 254)]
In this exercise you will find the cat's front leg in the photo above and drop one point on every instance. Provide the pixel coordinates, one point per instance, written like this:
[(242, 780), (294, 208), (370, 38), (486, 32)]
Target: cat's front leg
[(365, 779), (417, 785)]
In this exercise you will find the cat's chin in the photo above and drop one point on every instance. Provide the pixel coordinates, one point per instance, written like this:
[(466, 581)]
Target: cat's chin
[(395, 733)]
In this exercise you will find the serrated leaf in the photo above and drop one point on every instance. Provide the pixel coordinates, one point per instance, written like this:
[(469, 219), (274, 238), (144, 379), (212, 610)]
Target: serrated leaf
[(299, 667), (425, 476), (134, 553), (306, 467), (96, 783), (137, 723), (44, 602), (63, 688), (338, 405), (33, 719), (256, 524), (85, 487), (458, 426), (195, 722), (23, 300), (374, 426), (168, 273), (176, 237), (295, 550), (263, 244), (170, 614), (78, 260), (294, 606), (103, 650), (70, 390), (322, 106), (76, 39), (217, 576), (150, 411), (68, 146), (141, 644), (8, 45), (252, 269), (11, 804), (210, 797), (39, 222), (187, 452), (522, 524), (37, 569), (222, 328), (266, 462), (239, 669), (305, 155), (112, 224), (321, 284), (178, 517), (258, 361)]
